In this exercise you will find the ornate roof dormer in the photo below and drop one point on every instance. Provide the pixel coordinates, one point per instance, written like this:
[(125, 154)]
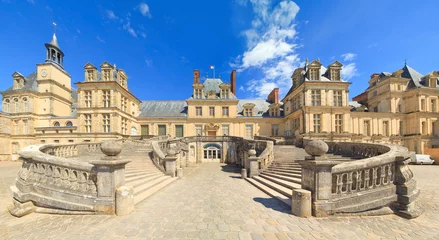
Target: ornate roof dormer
[(19, 80)]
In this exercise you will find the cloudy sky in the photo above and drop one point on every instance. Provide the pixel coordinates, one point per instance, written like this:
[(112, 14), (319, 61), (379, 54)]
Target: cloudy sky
[(160, 43)]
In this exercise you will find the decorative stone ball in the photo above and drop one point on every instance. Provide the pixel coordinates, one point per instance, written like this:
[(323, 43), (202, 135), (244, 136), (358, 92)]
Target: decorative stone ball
[(111, 148), (252, 152), (171, 152), (316, 148)]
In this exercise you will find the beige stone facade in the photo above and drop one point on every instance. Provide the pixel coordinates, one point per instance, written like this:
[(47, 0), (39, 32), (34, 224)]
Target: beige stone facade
[(43, 108)]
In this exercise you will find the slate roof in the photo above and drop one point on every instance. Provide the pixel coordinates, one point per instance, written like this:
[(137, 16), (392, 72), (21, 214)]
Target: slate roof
[(260, 110), (30, 84), (157, 109)]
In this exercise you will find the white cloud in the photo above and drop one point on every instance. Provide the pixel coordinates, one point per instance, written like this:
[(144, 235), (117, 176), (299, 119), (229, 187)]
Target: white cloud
[(349, 71), (31, 1), (129, 29), (100, 39), (148, 62), (271, 47), (110, 15), (348, 57), (78, 31), (142, 34), (48, 8), (144, 10), (372, 45)]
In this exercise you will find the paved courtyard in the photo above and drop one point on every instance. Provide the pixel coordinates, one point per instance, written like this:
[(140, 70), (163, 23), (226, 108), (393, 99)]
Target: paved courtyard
[(214, 203)]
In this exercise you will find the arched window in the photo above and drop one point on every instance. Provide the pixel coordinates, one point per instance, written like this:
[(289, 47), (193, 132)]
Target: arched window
[(17, 105), (69, 124), (6, 106), (25, 105), (56, 124)]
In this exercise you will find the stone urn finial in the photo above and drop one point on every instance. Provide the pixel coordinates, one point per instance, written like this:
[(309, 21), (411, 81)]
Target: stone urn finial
[(316, 148), (171, 153), (252, 153), (111, 148)]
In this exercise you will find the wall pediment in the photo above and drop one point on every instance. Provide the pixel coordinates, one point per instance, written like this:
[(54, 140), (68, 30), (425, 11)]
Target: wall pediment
[(211, 127)]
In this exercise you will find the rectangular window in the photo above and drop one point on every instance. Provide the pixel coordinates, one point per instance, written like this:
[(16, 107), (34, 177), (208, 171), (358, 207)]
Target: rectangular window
[(315, 97), (179, 131), (70, 140), (43, 141), (87, 121), (338, 123), (25, 127), (145, 130), (433, 105), (386, 128), (422, 104), (88, 99), (274, 130), (314, 74), (26, 105), (249, 131), (401, 128), (225, 111), (106, 75), (124, 104), (106, 94), (316, 122), (225, 130), (199, 130), (162, 130), (17, 127), (198, 94), (199, 111), (212, 111), (338, 99), (366, 128), (56, 141), (424, 128), (124, 126), (15, 148), (106, 122), (248, 112), (224, 93), (335, 74)]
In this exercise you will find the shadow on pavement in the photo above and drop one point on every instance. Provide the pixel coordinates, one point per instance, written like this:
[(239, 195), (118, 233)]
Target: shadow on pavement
[(273, 204), (230, 167)]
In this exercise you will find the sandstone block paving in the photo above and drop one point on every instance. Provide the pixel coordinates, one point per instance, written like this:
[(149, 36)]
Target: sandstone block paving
[(213, 202)]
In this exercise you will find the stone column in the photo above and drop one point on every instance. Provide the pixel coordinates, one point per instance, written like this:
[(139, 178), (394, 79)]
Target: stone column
[(317, 177), (110, 175), (253, 163), (171, 163)]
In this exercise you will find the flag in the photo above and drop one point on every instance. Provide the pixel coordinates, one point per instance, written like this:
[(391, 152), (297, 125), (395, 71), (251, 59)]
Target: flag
[(212, 67)]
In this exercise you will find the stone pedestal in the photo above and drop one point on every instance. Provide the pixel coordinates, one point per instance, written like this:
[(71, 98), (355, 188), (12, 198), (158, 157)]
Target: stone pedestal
[(301, 203), (124, 200), (170, 165), (180, 172), (110, 175), (253, 163), (317, 178), (243, 173)]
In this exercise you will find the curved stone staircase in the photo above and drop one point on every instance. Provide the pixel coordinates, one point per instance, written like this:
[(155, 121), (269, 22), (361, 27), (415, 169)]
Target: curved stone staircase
[(144, 176)]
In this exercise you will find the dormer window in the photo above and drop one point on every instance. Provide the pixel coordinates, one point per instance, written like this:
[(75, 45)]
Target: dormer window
[(224, 93), (198, 93), (107, 75), (433, 82), (314, 74), (248, 112), (89, 75), (335, 74), (248, 109)]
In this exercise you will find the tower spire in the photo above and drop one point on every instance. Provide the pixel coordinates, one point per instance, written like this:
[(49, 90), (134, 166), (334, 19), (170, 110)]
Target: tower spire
[(54, 28)]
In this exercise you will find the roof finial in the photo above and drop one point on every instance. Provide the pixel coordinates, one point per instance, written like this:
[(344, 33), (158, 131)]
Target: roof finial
[(306, 61), (54, 27), (318, 59), (405, 62)]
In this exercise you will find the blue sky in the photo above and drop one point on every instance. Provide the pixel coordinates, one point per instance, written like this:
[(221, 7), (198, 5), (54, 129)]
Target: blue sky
[(159, 43)]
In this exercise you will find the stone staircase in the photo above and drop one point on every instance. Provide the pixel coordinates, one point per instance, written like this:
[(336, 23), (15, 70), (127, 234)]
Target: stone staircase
[(283, 175), (144, 176)]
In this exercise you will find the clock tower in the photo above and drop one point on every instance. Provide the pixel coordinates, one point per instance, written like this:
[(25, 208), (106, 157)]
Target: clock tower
[(54, 83)]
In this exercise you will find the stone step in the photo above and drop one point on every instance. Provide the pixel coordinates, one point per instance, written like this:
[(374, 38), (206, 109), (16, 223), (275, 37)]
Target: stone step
[(285, 183), (138, 170), (278, 188), (285, 166), (287, 170), (130, 178), (271, 192), (149, 184), (147, 193), (291, 178), (142, 181), (289, 174)]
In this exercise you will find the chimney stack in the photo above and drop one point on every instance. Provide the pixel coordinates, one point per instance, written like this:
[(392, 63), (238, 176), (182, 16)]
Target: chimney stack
[(273, 97), (374, 75), (196, 76), (233, 81)]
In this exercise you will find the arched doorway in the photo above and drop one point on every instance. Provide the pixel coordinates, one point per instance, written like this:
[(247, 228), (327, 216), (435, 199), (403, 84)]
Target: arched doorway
[(211, 153), (133, 131)]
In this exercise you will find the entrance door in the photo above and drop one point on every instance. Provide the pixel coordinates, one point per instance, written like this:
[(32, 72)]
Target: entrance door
[(211, 133), (212, 153)]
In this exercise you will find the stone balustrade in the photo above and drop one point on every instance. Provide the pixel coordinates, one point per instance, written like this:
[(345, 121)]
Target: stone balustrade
[(375, 179), (264, 150), (56, 178)]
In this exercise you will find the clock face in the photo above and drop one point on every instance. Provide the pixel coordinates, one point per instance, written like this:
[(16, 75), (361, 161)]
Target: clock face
[(43, 72)]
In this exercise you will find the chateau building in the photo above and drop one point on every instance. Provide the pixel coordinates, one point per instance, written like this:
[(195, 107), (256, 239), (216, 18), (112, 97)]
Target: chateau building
[(42, 107)]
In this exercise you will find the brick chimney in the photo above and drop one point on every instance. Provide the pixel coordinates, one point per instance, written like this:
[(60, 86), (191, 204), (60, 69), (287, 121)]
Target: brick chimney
[(233, 81), (196, 76), (273, 97), (374, 75)]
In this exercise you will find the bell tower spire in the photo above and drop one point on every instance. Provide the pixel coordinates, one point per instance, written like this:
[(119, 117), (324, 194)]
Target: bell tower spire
[(54, 53)]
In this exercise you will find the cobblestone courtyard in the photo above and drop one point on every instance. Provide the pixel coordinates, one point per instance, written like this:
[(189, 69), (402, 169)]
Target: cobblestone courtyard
[(212, 202)]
